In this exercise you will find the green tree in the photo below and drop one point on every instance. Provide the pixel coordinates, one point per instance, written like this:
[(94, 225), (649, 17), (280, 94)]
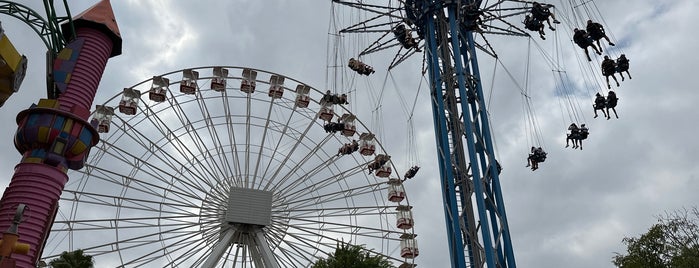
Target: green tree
[(351, 256), (673, 242), (73, 259)]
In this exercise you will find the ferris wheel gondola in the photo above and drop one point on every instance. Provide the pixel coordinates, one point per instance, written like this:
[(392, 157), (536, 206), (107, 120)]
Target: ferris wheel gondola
[(214, 176)]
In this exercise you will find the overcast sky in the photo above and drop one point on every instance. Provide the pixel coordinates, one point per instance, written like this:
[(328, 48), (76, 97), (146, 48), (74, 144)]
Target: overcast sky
[(572, 212)]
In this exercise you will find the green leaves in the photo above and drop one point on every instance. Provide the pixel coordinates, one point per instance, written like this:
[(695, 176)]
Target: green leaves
[(73, 259), (673, 243), (351, 256)]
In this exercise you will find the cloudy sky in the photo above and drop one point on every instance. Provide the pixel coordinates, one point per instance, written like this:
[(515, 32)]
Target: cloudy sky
[(572, 212)]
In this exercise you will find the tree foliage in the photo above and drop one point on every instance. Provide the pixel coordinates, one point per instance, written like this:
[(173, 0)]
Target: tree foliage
[(351, 256), (673, 242), (73, 259)]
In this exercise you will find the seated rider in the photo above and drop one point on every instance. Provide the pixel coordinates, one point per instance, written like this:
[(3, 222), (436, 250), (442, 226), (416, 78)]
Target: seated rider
[(573, 135), (411, 172), (584, 132), (583, 40), (596, 32), (622, 65), (536, 156), (534, 25), (542, 13), (600, 104), (611, 103), (608, 69), (404, 36)]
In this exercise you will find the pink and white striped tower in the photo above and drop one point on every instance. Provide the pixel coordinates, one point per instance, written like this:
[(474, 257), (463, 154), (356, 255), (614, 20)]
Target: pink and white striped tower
[(54, 135)]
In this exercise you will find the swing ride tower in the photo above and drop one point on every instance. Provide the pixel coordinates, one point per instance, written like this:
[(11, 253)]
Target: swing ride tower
[(474, 208), (476, 223)]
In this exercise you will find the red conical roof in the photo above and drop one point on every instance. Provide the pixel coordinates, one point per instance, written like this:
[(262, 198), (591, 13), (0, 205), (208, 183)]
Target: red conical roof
[(100, 16)]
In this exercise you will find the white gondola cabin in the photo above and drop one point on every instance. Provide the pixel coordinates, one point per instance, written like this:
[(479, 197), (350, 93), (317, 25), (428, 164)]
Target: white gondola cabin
[(396, 191), (408, 246), (367, 145), (404, 217), (102, 118), (350, 127), (326, 111), (302, 99), (129, 101), (159, 88), (218, 82), (247, 84), (276, 86), (384, 171), (188, 85), (407, 265)]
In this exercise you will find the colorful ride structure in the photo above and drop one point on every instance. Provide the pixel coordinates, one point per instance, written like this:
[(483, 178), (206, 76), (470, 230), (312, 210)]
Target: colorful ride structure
[(54, 135)]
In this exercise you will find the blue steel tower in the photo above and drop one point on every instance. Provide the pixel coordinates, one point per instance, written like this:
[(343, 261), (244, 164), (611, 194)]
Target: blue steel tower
[(474, 208)]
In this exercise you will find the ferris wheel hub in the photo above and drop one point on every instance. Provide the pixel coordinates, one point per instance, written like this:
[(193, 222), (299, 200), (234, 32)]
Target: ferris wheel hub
[(249, 206)]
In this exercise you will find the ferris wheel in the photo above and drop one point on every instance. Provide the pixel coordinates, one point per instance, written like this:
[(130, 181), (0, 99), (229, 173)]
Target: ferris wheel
[(231, 167)]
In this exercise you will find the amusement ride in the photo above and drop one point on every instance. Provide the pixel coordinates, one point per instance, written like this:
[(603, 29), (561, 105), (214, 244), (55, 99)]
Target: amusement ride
[(230, 166)]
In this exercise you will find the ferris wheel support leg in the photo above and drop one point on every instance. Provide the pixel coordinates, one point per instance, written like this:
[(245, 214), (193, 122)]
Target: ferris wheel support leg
[(220, 248), (264, 250)]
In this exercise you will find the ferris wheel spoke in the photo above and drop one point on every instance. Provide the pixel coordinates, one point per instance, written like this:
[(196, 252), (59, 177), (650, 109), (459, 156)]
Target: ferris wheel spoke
[(335, 196), (156, 254), (279, 142), (246, 176), (193, 250), (342, 211), (262, 142), (231, 137), (213, 135), (156, 151), (195, 137), (346, 229), (148, 187), (122, 202), (189, 135), (310, 155), (296, 255), (287, 158), (340, 241), (322, 184), (171, 136), (135, 222), (136, 241)]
